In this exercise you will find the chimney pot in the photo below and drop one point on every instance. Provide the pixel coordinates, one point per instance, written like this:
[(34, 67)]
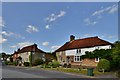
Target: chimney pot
[(72, 37)]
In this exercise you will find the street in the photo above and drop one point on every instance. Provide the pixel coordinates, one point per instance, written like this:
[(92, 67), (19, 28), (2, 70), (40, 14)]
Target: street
[(17, 72)]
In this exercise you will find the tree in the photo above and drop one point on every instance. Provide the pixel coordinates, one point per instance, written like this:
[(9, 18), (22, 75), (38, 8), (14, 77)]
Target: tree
[(116, 55), (4, 56)]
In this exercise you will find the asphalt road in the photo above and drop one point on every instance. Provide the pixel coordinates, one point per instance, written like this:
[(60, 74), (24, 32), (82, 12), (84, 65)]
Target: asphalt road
[(17, 72)]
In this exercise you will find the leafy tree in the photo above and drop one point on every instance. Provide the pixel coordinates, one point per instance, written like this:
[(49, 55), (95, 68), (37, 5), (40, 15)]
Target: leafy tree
[(116, 55), (3, 55)]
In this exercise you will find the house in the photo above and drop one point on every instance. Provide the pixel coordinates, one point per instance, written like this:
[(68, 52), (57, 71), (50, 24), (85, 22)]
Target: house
[(72, 51), (15, 55), (29, 54)]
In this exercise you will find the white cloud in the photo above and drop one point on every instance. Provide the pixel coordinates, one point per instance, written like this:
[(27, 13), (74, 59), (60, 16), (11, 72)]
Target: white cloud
[(53, 17), (31, 29), (98, 14), (2, 24), (47, 27), (6, 33), (55, 47), (12, 34), (22, 44), (45, 43), (62, 13), (2, 40), (113, 9), (87, 35), (110, 9), (108, 36), (88, 21), (14, 46)]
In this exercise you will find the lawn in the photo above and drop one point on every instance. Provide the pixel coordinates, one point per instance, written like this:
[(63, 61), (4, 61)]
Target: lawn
[(76, 71)]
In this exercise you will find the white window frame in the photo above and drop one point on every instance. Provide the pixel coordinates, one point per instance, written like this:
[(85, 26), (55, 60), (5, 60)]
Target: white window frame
[(77, 59), (97, 59)]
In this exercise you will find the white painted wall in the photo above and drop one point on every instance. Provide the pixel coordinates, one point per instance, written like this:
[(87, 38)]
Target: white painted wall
[(25, 56), (83, 50)]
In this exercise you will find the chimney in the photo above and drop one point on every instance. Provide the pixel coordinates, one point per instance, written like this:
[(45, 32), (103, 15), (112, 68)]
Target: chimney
[(34, 47), (18, 49), (72, 38)]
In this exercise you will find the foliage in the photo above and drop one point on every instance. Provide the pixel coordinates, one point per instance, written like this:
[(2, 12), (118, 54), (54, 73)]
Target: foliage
[(3, 55), (55, 64), (118, 74), (0, 55), (103, 65), (14, 63), (102, 53), (6, 62), (116, 55), (38, 62), (26, 64)]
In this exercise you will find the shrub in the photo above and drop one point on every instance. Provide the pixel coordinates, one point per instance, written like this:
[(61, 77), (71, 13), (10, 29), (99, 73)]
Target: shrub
[(65, 65), (55, 64), (6, 62), (26, 64), (14, 63), (103, 65), (38, 62), (69, 66), (118, 73)]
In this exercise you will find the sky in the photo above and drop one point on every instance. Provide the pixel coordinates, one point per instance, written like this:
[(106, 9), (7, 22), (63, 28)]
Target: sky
[(50, 24)]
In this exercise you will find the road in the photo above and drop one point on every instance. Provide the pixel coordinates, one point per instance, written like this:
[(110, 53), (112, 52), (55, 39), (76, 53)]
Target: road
[(17, 72), (22, 72)]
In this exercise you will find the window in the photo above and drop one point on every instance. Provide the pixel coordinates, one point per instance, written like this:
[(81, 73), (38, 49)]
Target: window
[(78, 50), (77, 59), (97, 59)]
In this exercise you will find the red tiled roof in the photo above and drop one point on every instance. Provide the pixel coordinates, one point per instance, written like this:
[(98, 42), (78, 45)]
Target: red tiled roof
[(83, 43), (29, 49)]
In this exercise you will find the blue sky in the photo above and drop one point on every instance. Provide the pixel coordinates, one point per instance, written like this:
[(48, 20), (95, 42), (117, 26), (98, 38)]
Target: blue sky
[(49, 25)]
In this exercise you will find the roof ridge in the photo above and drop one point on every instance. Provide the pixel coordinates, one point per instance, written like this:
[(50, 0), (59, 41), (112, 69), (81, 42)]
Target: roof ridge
[(88, 38)]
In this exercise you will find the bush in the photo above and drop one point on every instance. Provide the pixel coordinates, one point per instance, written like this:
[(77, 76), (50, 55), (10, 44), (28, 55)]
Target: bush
[(103, 65), (6, 62), (26, 64), (118, 73), (69, 66), (38, 62), (14, 63), (55, 64), (65, 65)]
